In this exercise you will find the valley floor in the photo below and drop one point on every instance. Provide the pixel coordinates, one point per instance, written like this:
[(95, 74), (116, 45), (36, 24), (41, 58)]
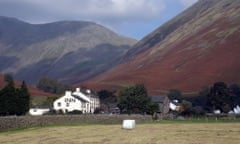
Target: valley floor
[(176, 133)]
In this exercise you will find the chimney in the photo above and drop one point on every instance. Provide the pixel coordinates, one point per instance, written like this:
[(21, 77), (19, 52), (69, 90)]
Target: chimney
[(88, 91), (77, 89), (68, 93)]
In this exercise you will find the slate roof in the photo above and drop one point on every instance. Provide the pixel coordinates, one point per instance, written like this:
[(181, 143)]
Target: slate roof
[(158, 99), (42, 107), (79, 98)]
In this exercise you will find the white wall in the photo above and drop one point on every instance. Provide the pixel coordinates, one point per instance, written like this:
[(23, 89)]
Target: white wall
[(38, 111), (70, 103), (67, 103)]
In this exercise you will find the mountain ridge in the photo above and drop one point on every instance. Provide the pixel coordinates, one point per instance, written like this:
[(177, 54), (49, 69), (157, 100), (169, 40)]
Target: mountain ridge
[(186, 53), (31, 51)]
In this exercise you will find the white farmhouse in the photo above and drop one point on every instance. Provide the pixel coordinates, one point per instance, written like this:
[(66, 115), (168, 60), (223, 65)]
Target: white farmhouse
[(77, 100)]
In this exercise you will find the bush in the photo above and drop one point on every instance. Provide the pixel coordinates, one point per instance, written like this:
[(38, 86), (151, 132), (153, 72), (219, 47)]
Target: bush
[(155, 116), (51, 112), (198, 111), (75, 112)]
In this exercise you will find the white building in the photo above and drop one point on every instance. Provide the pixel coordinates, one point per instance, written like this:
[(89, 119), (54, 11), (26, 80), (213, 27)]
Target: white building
[(38, 111), (174, 105), (77, 100)]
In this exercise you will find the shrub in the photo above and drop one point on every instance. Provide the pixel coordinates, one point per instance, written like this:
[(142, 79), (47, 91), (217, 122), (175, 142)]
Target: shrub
[(75, 112), (51, 112)]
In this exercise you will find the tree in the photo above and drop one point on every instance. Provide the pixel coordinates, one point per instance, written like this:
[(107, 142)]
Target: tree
[(14, 101), (220, 97), (23, 99), (187, 107), (3, 108), (52, 86), (8, 78), (152, 108), (235, 91), (175, 94), (107, 98), (134, 99), (201, 99), (49, 101), (9, 97)]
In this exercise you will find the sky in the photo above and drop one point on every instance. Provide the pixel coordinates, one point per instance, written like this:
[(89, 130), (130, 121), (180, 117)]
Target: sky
[(132, 18)]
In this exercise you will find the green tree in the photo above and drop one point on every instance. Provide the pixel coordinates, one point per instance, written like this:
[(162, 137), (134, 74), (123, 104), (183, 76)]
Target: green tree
[(220, 97), (152, 108), (201, 99), (9, 97), (52, 86), (8, 78), (175, 94), (134, 99), (49, 101), (107, 98), (235, 91), (3, 107), (14, 101), (23, 99), (187, 107)]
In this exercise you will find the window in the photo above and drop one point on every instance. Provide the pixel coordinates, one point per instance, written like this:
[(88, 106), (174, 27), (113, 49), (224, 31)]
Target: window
[(67, 104), (59, 104), (83, 105)]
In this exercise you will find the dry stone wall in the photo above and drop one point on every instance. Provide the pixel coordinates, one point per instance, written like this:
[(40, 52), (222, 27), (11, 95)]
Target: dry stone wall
[(14, 122)]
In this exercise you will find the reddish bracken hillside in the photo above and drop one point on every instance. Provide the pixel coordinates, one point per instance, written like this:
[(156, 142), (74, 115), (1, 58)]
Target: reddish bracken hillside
[(33, 91), (195, 49)]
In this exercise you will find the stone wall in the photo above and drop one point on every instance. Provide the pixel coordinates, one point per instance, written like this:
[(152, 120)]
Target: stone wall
[(13, 122)]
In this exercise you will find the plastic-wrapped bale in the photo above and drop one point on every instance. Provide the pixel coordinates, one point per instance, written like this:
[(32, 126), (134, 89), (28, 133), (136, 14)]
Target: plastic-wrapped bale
[(128, 124)]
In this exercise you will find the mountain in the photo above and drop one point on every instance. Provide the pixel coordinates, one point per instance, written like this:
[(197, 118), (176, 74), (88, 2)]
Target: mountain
[(70, 51), (33, 91), (198, 47)]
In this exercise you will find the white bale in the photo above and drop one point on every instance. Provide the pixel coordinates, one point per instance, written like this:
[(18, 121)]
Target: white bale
[(128, 124)]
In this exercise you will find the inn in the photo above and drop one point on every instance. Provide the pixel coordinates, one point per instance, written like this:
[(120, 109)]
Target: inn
[(83, 101)]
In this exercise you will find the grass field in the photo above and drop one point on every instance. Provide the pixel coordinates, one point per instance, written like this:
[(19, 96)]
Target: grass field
[(175, 133)]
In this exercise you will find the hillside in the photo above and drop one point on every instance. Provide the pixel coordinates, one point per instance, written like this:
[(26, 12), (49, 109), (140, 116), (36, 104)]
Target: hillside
[(195, 49), (70, 51), (33, 91)]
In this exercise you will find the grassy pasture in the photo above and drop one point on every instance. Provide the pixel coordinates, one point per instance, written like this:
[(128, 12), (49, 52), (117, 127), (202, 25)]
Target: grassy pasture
[(175, 133)]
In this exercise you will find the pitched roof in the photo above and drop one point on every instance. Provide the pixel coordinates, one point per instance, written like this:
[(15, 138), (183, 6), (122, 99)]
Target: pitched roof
[(41, 107), (79, 98)]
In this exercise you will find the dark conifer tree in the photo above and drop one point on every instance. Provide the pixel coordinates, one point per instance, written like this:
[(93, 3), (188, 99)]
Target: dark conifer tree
[(14, 101), (3, 107), (10, 96), (24, 99)]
